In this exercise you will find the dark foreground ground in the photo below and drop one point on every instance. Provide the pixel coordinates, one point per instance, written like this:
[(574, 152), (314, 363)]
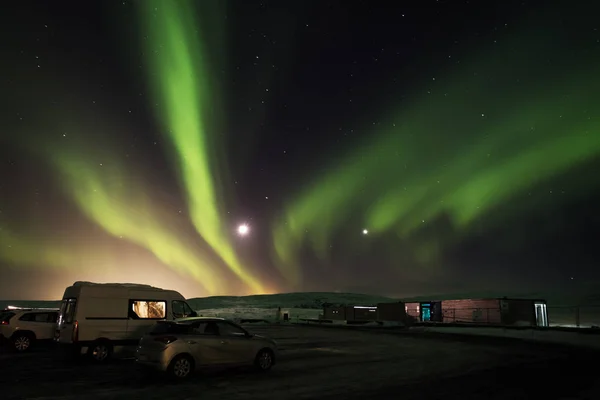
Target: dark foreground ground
[(325, 363)]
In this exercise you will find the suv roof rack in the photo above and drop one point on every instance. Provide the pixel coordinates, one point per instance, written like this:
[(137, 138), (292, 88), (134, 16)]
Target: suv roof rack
[(17, 308)]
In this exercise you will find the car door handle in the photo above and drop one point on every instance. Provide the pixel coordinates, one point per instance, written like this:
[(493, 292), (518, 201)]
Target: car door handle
[(224, 342), (191, 342)]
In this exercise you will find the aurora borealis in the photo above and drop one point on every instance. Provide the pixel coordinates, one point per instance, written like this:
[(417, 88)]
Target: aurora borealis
[(140, 134), (182, 76)]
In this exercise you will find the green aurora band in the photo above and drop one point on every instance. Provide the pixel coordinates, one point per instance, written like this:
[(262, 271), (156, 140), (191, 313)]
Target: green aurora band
[(124, 209), (474, 140), (180, 78), (462, 149), (26, 251)]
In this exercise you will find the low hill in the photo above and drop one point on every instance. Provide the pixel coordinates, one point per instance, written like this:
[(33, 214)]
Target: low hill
[(588, 295), (306, 300)]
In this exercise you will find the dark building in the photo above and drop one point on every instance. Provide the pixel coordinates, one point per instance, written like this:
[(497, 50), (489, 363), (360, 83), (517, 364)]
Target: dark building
[(522, 312), (382, 312), (395, 312), (334, 313), (361, 313), (350, 313)]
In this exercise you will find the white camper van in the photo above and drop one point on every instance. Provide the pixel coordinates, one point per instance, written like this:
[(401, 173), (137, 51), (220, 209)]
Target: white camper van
[(103, 319)]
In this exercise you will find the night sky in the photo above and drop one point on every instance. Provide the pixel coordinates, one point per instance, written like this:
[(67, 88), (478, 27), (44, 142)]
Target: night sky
[(396, 148)]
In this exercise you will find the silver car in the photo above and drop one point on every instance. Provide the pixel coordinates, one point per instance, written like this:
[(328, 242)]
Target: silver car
[(179, 347)]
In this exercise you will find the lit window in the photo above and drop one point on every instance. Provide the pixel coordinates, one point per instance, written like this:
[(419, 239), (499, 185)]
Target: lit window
[(147, 309)]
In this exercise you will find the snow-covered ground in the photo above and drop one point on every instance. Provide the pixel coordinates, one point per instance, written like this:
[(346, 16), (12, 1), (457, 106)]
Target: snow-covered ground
[(267, 314), (331, 363), (549, 336), (318, 363)]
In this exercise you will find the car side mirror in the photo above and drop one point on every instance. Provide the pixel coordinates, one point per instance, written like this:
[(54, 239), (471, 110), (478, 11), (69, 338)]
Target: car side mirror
[(194, 314)]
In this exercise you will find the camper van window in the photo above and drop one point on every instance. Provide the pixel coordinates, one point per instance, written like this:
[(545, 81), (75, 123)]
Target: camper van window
[(188, 310), (181, 309), (67, 311), (147, 309)]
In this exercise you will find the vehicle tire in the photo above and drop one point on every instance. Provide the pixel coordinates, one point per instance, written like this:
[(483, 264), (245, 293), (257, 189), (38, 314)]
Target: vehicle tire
[(22, 342), (100, 351), (181, 367), (264, 360)]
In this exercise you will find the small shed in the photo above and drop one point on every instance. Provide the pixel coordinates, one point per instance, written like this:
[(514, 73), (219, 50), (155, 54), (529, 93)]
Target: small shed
[(282, 315)]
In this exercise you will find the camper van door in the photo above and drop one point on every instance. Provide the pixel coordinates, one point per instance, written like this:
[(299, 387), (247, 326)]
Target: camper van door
[(101, 317)]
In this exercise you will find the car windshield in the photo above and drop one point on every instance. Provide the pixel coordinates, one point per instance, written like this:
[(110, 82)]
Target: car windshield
[(171, 328)]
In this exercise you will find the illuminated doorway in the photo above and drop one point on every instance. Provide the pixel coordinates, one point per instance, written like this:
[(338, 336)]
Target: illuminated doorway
[(425, 312), (541, 314)]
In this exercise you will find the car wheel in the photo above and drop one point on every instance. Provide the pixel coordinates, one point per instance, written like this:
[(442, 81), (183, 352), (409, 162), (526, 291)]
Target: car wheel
[(264, 360), (181, 367), (22, 342), (100, 351)]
